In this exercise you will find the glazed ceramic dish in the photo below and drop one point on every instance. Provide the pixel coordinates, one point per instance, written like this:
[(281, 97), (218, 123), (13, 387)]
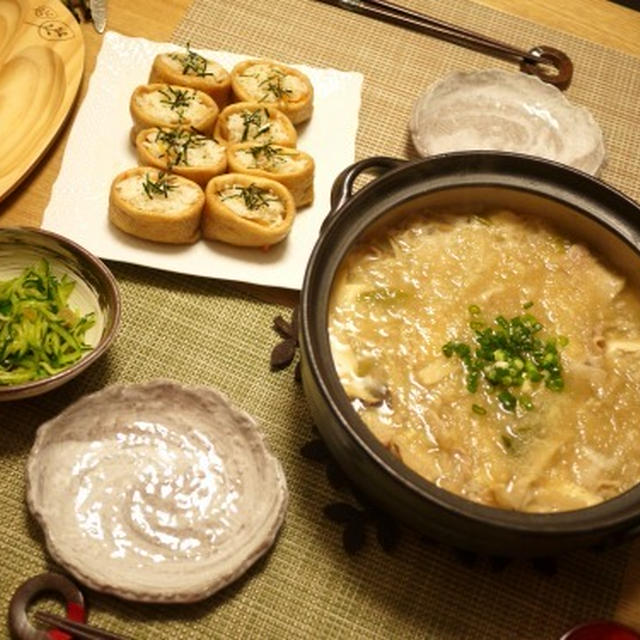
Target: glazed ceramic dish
[(155, 492), (505, 111), (95, 291), (574, 202)]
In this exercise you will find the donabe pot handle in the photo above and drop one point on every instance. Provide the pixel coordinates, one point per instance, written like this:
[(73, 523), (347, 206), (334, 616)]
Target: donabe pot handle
[(342, 188)]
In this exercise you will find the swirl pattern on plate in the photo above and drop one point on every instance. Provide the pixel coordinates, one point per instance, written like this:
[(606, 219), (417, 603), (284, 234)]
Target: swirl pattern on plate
[(505, 111), (155, 492)]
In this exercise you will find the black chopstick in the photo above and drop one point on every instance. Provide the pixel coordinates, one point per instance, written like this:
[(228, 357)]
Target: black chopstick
[(76, 629), (395, 14)]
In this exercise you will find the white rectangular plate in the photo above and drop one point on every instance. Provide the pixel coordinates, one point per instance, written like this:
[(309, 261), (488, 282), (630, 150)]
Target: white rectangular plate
[(99, 148)]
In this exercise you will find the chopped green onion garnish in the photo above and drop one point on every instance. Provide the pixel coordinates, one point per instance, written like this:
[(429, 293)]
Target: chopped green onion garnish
[(507, 400), (507, 353), (525, 402)]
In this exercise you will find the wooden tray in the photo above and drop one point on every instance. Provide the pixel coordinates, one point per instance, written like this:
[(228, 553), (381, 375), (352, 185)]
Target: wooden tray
[(41, 64)]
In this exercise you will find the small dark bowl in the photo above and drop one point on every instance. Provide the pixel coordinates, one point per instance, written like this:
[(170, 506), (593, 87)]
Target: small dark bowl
[(96, 291), (577, 204)]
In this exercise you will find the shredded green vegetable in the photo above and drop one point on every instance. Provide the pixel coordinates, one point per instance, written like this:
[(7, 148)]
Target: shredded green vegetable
[(40, 334), (507, 353), (384, 296)]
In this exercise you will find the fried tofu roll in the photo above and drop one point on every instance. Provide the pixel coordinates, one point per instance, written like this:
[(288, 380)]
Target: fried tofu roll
[(274, 84), (182, 151), (291, 167), (190, 69), (254, 122), (247, 211), (152, 204), (166, 105)]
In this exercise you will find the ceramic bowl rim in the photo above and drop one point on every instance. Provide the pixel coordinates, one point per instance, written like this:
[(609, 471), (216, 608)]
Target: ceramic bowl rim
[(110, 287)]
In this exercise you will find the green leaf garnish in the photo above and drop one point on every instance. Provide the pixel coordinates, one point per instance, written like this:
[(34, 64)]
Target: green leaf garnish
[(259, 119), (178, 143), (254, 197), (193, 64), (177, 99), (269, 155), (160, 187), (271, 85)]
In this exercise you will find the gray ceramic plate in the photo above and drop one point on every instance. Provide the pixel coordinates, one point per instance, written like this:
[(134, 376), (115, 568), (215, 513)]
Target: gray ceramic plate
[(155, 492), (499, 110)]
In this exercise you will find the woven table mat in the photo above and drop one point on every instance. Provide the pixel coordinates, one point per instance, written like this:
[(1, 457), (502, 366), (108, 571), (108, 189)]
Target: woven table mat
[(398, 64), (204, 332)]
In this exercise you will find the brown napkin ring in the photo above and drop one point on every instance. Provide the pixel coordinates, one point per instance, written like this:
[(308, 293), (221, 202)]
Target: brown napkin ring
[(45, 582)]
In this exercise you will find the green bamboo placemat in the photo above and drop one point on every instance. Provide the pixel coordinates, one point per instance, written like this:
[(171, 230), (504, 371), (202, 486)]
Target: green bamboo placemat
[(204, 332)]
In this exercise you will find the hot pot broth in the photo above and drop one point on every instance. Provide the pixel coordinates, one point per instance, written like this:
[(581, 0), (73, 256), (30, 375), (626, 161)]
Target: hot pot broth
[(401, 296)]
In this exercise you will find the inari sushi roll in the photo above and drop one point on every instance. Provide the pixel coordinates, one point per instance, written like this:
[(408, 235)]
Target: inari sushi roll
[(190, 69), (167, 105), (247, 211), (274, 84), (254, 122), (149, 203), (291, 167), (182, 151)]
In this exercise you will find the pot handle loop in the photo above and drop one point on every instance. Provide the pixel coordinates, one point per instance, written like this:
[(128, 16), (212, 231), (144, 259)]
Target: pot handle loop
[(342, 188)]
